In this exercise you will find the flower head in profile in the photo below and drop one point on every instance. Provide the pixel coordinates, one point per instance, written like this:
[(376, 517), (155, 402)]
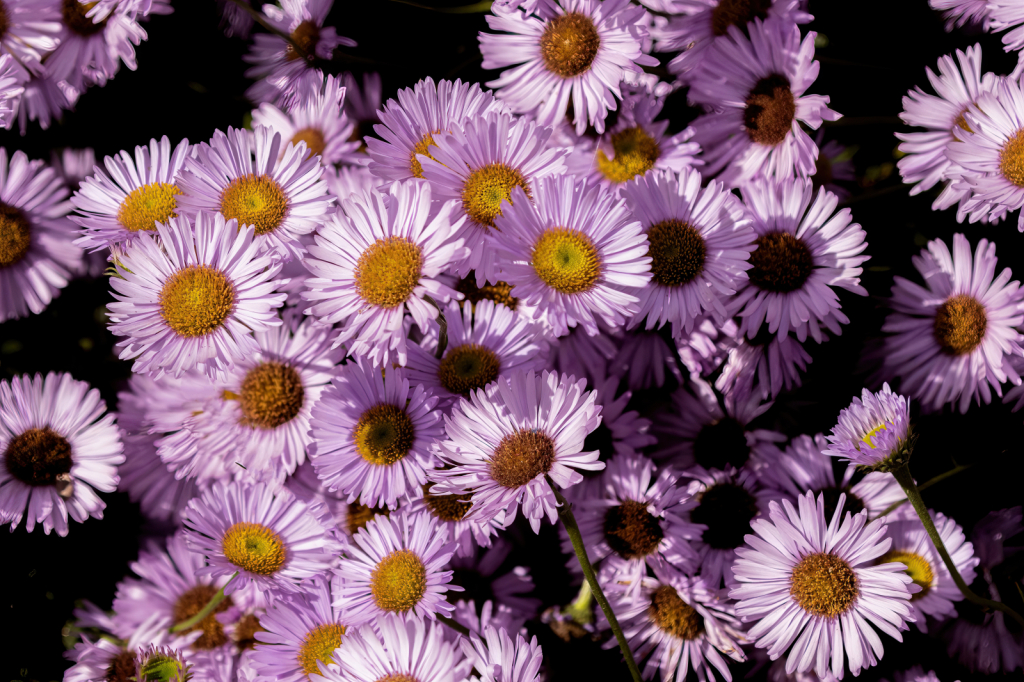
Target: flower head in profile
[(191, 296), (571, 50), (57, 448), (874, 431), (810, 587)]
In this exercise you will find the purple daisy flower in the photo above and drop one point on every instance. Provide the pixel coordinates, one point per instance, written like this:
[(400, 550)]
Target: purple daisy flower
[(1002, 15), (377, 258), (700, 244), (572, 253), (679, 624), (12, 85), (804, 250), (316, 118), (407, 127), (37, 256), (957, 87), (755, 88), (496, 658), (633, 523), (763, 366), (953, 340), (575, 49), (699, 24), (280, 71), (497, 616), (880, 421), (480, 162), (90, 52), (132, 198), (99, 660), (191, 296), (959, 13), (270, 539), (451, 510), (58, 450), (394, 570), (509, 437), (989, 647), (245, 175), (297, 639), (706, 347), (912, 547), (31, 31), (814, 587), (484, 341), (372, 432), (393, 649)]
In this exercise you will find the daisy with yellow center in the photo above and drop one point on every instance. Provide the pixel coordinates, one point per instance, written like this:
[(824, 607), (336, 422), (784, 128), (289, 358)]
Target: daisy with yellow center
[(413, 650), (271, 540), (572, 254), (190, 296), (375, 260), (131, 197), (394, 567), (371, 432)]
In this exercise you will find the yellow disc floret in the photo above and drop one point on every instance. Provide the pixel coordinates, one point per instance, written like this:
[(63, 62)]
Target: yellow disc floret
[(255, 200), (148, 205), (399, 581), (196, 300), (566, 260), (254, 548), (388, 272)]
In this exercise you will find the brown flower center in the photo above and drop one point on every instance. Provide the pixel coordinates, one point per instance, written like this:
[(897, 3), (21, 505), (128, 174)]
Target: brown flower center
[(397, 677), (191, 603), (256, 200), (245, 631), (314, 139), (388, 272), (487, 188), (38, 457), (468, 367), (569, 44), (770, 110), (727, 510), (501, 292), (319, 645), (122, 668), (673, 615), (781, 263), (15, 235), (1011, 159), (73, 13), (636, 152), (197, 300), (960, 324), (631, 531), (677, 252), (823, 585), (306, 35), (399, 581), (272, 395), (359, 515), (384, 434), (737, 13), (521, 457)]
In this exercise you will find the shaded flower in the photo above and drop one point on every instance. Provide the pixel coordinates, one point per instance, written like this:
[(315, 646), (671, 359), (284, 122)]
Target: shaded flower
[(873, 430)]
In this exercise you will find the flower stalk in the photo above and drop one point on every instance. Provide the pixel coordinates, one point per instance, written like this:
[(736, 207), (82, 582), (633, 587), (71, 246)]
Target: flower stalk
[(214, 602)]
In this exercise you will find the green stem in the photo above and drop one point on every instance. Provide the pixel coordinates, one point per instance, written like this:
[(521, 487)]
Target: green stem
[(454, 625), (924, 486), (906, 481), (569, 522), (214, 602)]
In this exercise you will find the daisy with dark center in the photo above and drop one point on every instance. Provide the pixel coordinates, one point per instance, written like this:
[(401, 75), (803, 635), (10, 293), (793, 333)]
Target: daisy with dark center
[(952, 341), (479, 163), (28, 31), (245, 175), (803, 251), (37, 256), (135, 196), (451, 511), (298, 638), (572, 254), (700, 243), (280, 71), (270, 539), (756, 88), (484, 341), (678, 624), (912, 547), (91, 52), (191, 295), (575, 49), (701, 24), (378, 258), (317, 118), (392, 650), (633, 524), (408, 127), (393, 569), (372, 431), (497, 658), (874, 430), (508, 438), (58, 448), (764, 365)]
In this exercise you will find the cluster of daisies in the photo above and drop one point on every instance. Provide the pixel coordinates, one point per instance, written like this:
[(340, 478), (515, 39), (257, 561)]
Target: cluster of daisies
[(367, 336)]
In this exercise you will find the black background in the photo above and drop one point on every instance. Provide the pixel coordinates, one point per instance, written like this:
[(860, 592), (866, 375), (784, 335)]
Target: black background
[(190, 82)]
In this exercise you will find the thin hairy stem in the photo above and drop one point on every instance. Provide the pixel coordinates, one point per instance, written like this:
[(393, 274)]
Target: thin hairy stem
[(924, 486), (214, 602), (454, 625)]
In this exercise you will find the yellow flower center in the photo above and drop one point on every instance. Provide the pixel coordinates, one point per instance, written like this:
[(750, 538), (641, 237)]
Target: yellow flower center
[(389, 271), (190, 603), (487, 188), (399, 581), (781, 263), (569, 44), (468, 367), (500, 292), (314, 139), (1011, 159), (918, 568), (770, 110), (254, 548), (867, 439), (737, 13), (319, 645), (147, 205), (421, 147), (255, 200), (272, 395), (15, 235), (960, 324), (636, 152), (384, 434), (521, 457), (631, 531), (566, 260), (197, 300), (824, 585), (37, 457), (673, 615), (677, 252)]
